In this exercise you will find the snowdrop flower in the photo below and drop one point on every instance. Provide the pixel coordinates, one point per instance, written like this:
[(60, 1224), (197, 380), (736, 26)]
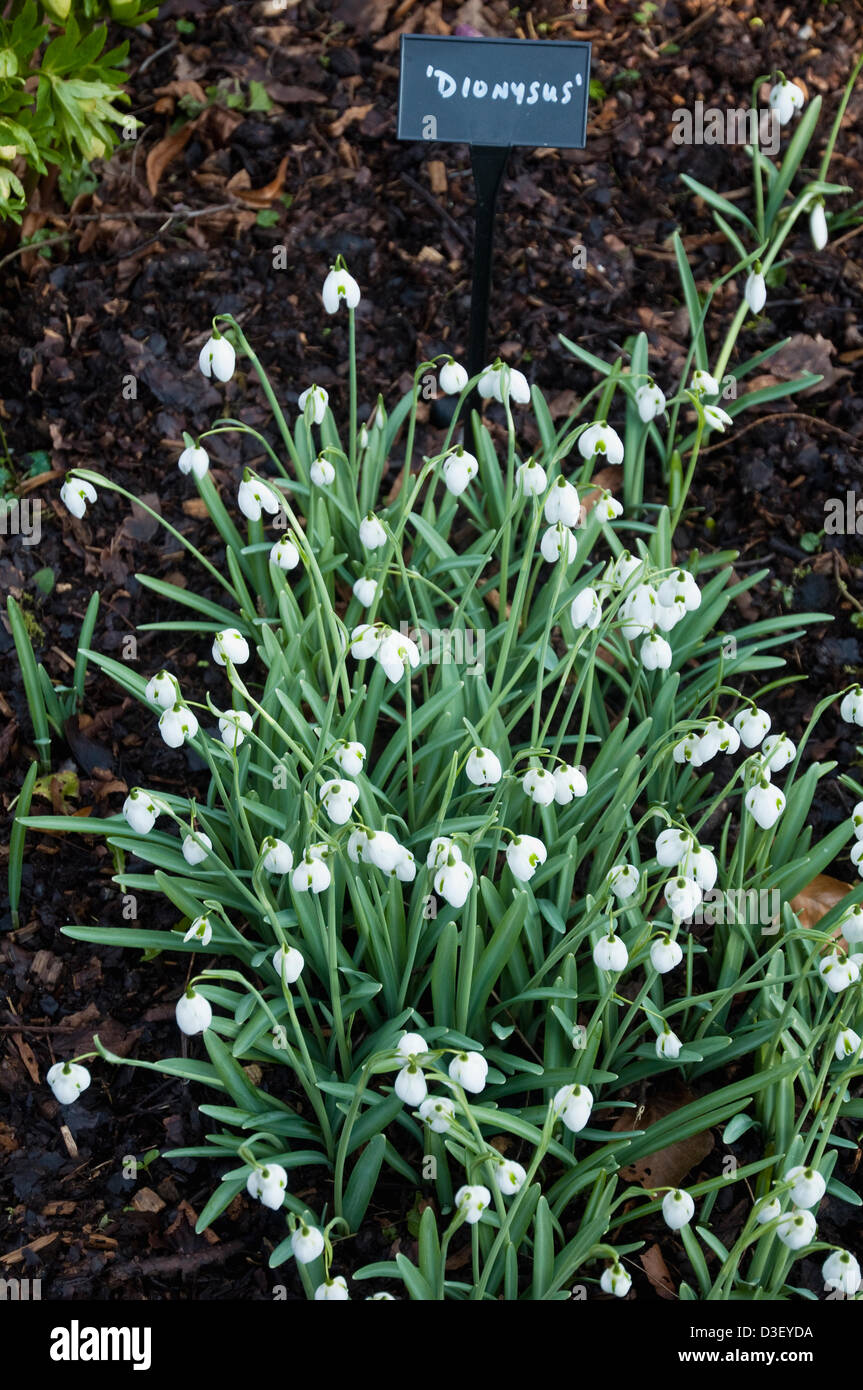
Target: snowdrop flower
[(701, 865), (140, 811), (253, 497), (217, 358), (678, 1209), (765, 804), (838, 972), (668, 1044), (650, 401), (600, 438), (365, 641), (458, 471), (196, 847), (338, 286), (410, 1085), (856, 856), (557, 543), (703, 384), (194, 1013), (586, 610), (716, 418), (655, 653), (319, 402), (609, 953), (278, 857), (562, 504), (851, 708), (232, 646), (768, 1211), (752, 725), (384, 851), (668, 615), (75, 494), (841, 1271), (491, 385), (333, 1291), (818, 226), (453, 882), (285, 554), (797, 1229), (573, 1105), (469, 1070), (531, 478), (755, 291), (569, 783), (778, 752), (638, 612), (365, 590), (311, 875), (680, 584), (846, 1044), (623, 880), (509, 1177), (851, 924), (176, 725), (608, 507), (857, 821), (338, 800), (307, 1243), (200, 931), (67, 1080), (483, 767), (411, 1045), (453, 378), (234, 724), (671, 845), (785, 99), (163, 690), (625, 568), (687, 750), (439, 850), (288, 964), (665, 954), (539, 785), (718, 737), (438, 1113), (381, 1297), (195, 460), (807, 1185), (524, 854), (349, 757), (268, 1185), (357, 845), (397, 654), (372, 533), (683, 896), (615, 1280), (473, 1202), (322, 472)]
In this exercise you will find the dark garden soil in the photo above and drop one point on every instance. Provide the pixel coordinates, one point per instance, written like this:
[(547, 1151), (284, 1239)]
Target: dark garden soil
[(183, 224)]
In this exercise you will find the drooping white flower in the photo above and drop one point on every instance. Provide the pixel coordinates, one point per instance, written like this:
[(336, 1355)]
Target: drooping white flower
[(397, 654), (365, 590), (322, 472), (626, 568), (382, 1297), (668, 615), (230, 645), (650, 401), (338, 800), (614, 1279), (469, 1070), (716, 418), (194, 1013), (671, 845), (608, 507), (140, 811), (67, 1080), (196, 847), (410, 1085), (623, 880), (586, 610), (453, 881), (531, 478), (349, 757), (755, 291), (307, 1243), (384, 851), (838, 971), (569, 783), (558, 543), (856, 856), (177, 725), (285, 554), (700, 864), (687, 750), (491, 384), (163, 690), (411, 1045), (851, 708), (333, 1291), (438, 1113), (752, 725), (778, 751), (217, 358), (371, 532), (665, 954), (459, 469), (406, 868), (841, 1271), (268, 1185), (703, 384), (668, 1044), (509, 1177), (638, 612), (234, 724), (539, 785), (194, 460), (655, 653), (857, 821), (483, 767), (312, 874), (610, 953), (765, 803), (453, 378), (573, 1105), (319, 401), (472, 1200), (680, 584), (796, 1229), (200, 931), (365, 641), (288, 964), (785, 99), (768, 1210), (818, 226), (562, 504), (278, 857), (718, 737), (678, 1209), (75, 494), (683, 896), (807, 1185), (253, 497), (338, 286), (600, 438), (524, 854), (850, 924), (846, 1044), (439, 850)]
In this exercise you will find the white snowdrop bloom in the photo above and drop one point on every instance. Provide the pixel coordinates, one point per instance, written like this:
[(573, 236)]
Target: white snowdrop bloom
[(412, 1045), (752, 725), (851, 924), (200, 931), (440, 850), (278, 857), (539, 786), (268, 1185), (349, 757), (638, 612), (491, 384), (716, 418), (338, 286), (140, 811), (371, 532), (608, 507), (586, 610), (438, 1113), (194, 460), (338, 800), (609, 953), (307, 1243), (569, 783), (841, 1271), (700, 865), (623, 880), (75, 494), (519, 390), (573, 1105), (665, 954), (851, 708), (365, 590), (755, 291), (312, 875), (285, 554), (319, 401), (177, 725), (625, 568), (687, 750), (778, 751), (196, 847), (683, 896), (531, 478), (459, 469), (768, 1210), (703, 384), (472, 1200), (562, 504), (655, 653), (365, 641), (680, 584), (671, 845), (384, 851), (381, 1297), (488, 385), (838, 972), (678, 1209), (333, 1291), (288, 964), (194, 1013), (410, 1085), (217, 358), (67, 1080), (254, 497), (406, 868), (857, 856), (785, 99), (765, 804), (483, 767), (668, 615), (796, 1229), (807, 1185), (668, 1044), (557, 543), (600, 438), (163, 690), (230, 645), (614, 1279), (397, 654), (322, 472), (453, 378), (524, 854), (234, 724), (357, 844), (718, 737), (453, 882), (857, 821), (846, 1044), (469, 1070), (509, 1177), (818, 226), (650, 401)]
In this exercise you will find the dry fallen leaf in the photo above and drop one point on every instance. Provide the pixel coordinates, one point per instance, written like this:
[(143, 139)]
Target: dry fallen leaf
[(817, 898), (657, 1272), (163, 153), (262, 197), (669, 1166)]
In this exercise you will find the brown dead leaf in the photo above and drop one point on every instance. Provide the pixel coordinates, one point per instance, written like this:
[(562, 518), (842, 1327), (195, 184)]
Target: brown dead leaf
[(262, 197), (349, 117), (25, 1052), (669, 1166), (817, 898), (656, 1270), (806, 354), (163, 152)]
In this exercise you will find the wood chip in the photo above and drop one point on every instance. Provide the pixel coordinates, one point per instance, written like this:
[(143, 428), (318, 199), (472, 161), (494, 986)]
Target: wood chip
[(437, 176), (145, 1199), (69, 1141), (14, 1257)]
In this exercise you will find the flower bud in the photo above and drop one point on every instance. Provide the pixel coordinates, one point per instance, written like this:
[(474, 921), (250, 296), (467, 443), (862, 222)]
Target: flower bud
[(288, 964), (678, 1209), (483, 768), (193, 1012), (196, 847), (230, 645), (67, 1080), (217, 358), (307, 1243)]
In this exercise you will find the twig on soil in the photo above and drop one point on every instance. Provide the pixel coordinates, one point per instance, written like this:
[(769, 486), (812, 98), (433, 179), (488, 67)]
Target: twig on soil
[(442, 212), (786, 415)]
